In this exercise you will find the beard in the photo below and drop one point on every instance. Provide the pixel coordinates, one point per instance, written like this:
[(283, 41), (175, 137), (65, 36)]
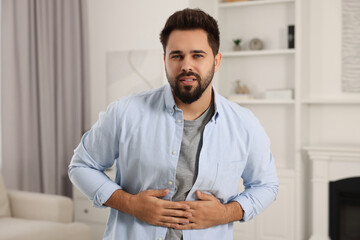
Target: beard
[(189, 94)]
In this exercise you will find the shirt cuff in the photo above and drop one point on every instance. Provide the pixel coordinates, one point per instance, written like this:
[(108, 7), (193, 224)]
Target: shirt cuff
[(246, 206), (104, 193)]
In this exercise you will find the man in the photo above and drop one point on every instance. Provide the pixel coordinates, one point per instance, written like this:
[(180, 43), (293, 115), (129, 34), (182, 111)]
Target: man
[(179, 151)]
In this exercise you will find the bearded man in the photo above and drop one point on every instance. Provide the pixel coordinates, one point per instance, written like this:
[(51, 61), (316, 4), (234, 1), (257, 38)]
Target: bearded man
[(179, 151)]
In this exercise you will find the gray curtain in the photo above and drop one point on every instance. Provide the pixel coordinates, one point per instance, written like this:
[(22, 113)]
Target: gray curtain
[(43, 91)]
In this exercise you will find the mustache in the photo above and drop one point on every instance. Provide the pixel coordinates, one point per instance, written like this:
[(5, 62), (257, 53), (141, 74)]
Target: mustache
[(187, 74)]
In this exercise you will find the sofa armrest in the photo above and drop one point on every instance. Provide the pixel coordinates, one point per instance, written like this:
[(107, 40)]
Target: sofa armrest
[(38, 206)]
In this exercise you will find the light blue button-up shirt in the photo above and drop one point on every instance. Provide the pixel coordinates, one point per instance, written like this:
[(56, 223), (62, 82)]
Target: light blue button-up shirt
[(142, 135)]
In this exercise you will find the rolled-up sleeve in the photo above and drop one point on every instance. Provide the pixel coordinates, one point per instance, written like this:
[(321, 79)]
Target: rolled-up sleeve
[(96, 152), (259, 177)]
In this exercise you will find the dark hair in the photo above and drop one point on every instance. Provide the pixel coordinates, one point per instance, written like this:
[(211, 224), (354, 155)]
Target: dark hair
[(189, 19)]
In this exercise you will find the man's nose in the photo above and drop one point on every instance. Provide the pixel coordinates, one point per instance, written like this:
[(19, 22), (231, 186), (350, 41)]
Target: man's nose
[(187, 64)]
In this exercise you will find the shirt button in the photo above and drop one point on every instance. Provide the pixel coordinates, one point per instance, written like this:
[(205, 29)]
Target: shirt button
[(171, 111), (170, 182), (174, 153), (159, 238), (179, 121)]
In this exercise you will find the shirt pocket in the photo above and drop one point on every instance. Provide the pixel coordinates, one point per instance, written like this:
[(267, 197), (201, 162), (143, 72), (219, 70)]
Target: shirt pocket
[(227, 180)]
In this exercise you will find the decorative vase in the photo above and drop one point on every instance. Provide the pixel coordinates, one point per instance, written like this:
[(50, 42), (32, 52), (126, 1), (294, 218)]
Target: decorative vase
[(237, 47)]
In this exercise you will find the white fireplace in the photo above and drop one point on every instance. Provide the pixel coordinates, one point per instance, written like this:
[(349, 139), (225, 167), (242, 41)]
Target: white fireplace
[(328, 164)]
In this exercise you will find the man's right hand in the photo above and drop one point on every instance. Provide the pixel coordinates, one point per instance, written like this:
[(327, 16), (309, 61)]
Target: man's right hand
[(147, 207)]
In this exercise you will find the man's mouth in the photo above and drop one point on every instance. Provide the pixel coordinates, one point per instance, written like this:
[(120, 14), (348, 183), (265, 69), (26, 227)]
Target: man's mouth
[(188, 80)]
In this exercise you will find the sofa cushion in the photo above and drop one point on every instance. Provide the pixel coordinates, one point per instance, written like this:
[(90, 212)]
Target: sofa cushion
[(4, 201), (21, 229)]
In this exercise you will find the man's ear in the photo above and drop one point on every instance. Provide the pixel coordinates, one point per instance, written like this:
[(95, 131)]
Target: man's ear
[(218, 58)]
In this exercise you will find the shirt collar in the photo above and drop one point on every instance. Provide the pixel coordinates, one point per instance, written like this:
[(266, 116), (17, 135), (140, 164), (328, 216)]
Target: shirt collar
[(169, 99), (171, 105), (217, 104)]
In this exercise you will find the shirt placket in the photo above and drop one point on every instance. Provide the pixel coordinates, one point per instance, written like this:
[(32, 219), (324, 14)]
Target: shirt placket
[(175, 149)]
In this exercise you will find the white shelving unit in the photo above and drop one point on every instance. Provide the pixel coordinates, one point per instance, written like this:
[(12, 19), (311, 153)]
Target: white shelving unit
[(274, 67)]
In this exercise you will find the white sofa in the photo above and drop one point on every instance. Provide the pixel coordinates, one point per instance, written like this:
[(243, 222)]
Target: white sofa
[(36, 216)]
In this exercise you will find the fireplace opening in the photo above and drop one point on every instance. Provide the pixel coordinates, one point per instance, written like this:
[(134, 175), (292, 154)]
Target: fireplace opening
[(344, 209)]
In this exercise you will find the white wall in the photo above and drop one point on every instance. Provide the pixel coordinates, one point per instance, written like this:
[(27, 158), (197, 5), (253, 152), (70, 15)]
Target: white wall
[(122, 25), (324, 38), (205, 5), (323, 41)]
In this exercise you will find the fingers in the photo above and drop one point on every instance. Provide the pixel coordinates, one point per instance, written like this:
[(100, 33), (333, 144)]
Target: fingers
[(176, 205), (171, 218), (204, 196), (186, 226), (177, 213), (178, 226), (199, 195), (158, 193), (175, 220)]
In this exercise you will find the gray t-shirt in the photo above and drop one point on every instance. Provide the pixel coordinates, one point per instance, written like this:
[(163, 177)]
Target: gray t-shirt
[(187, 167)]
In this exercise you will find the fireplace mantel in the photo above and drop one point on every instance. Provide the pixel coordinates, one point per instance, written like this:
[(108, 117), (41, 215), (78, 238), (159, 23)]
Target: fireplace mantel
[(328, 163)]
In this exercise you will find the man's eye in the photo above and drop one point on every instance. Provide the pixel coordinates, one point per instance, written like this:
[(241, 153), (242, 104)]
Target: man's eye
[(176, 56), (198, 56)]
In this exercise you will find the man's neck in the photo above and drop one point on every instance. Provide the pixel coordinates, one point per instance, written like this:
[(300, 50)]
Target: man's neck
[(194, 110)]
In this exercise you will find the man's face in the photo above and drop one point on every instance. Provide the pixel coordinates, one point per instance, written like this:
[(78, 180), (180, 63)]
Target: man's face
[(190, 64)]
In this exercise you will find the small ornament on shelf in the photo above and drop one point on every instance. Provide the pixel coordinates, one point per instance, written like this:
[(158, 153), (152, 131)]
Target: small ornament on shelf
[(237, 42), (291, 36), (242, 92), (241, 88), (256, 44)]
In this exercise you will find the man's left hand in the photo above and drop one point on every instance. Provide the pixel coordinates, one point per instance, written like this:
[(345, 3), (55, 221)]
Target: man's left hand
[(208, 212)]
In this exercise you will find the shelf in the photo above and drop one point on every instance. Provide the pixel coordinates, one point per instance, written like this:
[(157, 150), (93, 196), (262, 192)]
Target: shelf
[(260, 101), (251, 3), (258, 53), (331, 101)]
